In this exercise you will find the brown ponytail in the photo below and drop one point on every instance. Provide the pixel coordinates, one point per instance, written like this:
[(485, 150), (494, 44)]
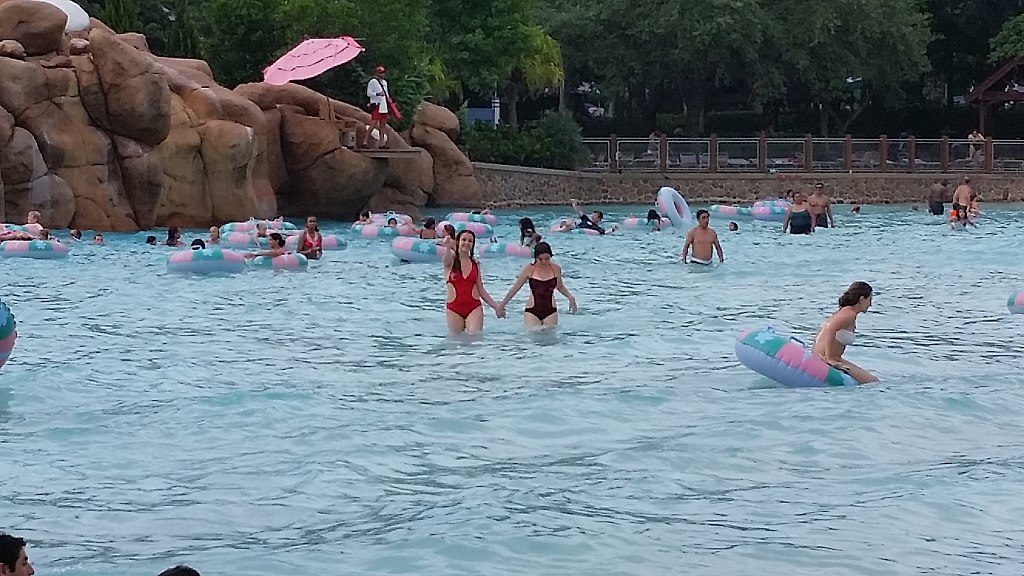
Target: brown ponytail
[(854, 293)]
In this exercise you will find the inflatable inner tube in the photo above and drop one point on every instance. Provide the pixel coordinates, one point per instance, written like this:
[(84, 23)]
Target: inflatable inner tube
[(206, 261), (290, 262), (8, 332), (503, 250), (40, 249), (470, 217), (671, 205), (786, 360), (1016, 303), (415, 250)]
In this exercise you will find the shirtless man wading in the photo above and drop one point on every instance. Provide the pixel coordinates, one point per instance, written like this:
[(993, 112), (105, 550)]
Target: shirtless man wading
[(962, 195), (820, 207), (937, 194), (702, 239)]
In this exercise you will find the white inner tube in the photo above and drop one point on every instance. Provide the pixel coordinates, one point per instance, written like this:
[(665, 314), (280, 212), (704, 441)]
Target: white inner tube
[(672, 206)]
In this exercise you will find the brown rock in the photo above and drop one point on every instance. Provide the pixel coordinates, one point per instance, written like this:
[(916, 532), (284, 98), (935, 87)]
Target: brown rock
[(334, 186), (21, 161), (392, 199), (49, 194), (142, 177), (185, 200), (229, 153), (135, 40), (95, 24), (437, 117), (277, 172), (58, 61), (305, 139), (90, 90), (414, 172), (454, 184), (137, 97), (197, 70), (23, 85), (6, 128), (78, 46), (38, 26), (12, 49)]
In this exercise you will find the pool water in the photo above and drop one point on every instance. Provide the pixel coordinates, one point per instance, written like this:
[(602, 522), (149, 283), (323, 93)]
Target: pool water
[(324, 423)]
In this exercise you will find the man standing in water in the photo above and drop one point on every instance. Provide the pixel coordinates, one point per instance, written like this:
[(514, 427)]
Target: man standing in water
[(962, 195), (702, 239), (820, 207), (937, 194)]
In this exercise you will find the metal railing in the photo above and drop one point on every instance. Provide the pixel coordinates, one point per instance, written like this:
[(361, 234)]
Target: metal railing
[(777, 155)]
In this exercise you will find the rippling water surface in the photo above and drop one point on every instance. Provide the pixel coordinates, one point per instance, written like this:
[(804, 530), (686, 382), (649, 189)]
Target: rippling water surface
[(323, 423)]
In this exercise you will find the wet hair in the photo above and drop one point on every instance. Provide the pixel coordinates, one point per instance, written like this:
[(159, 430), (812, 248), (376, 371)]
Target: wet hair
[(317, 227), (173, 232), (457, 264), (10, 549), (526, 229), (77, 234), (180, 570), (364, 214), (599, 214), (198, 244), (390, 220), (653, 216), (854, 293), (734, 226), (276, 237), (44, 234), (430, 223), (541, 248), (449, 230), (702, 212), (151, 240)]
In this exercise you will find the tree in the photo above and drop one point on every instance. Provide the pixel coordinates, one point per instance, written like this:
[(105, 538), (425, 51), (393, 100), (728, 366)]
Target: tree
[(960, 50), (539, 68), (1009, 43)]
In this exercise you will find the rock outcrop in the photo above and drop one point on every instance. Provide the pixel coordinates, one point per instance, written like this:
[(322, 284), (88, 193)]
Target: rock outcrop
[(96, 132)]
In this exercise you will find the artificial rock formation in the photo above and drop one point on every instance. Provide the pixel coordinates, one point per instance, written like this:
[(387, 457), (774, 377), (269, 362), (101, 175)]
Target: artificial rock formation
[(96, 132)]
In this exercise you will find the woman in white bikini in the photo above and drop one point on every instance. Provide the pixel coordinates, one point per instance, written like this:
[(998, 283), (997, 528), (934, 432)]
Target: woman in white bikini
[(840, 329)]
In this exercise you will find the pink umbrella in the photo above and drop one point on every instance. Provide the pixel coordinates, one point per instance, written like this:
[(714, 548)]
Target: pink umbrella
[(312, 57)]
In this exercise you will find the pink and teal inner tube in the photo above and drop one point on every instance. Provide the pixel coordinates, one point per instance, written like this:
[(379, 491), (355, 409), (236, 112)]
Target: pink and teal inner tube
[(8, 332), (250, 226), (1016, 303), (641, 222), (290, 262), (206, 261), (769, 213), (242, 240), (557, 228), (786, 360), (40, 249), (480, 229), (471, 217), (727, 211), (415, 250), (381, 219), (777, 203), (374, 231), (503, 250), (670, 204), (329, 242)]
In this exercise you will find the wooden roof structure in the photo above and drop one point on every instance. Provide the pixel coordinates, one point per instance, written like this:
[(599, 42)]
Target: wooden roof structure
[(999, 88)]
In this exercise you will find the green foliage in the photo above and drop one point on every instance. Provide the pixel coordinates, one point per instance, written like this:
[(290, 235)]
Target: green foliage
[(553, 142), (121, 15), (242, 37), (1009, 43)]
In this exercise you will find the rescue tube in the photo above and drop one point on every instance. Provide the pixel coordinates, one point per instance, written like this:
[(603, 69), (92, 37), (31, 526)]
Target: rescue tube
[(283, 262), (416, 250), (504, 250), (490, 219), (206, 261), (1016, 303), (41, 249), (671, 205), (786, 360), (8, 332)]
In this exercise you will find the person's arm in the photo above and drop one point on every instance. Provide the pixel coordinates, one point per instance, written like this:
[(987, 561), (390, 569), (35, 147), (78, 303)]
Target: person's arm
[(500, 313), (575, 206), (449, 258), (718, 246), (686, 246), (565, 291), (785, 221), (828, 212), (524, 276)]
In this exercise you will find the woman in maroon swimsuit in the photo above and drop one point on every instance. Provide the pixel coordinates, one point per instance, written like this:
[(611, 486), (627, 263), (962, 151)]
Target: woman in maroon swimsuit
[(544, 277), (465, 288)]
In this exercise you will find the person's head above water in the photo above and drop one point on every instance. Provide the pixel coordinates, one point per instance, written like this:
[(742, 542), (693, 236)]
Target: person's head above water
[(151, 240), (597, 216), (858, 295), (276, 238), (526, 226), (173, 233), (393, 222), (198, 244), (703, 217), (542, 252), (733, 227), (430, 223), (32, 217), (77, 234), (653, 216), (13, 558)]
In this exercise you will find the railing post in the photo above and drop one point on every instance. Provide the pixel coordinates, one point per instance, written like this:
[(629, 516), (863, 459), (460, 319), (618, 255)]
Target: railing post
[(713, 153), (912, 150), (762, 153), (883, 153), (808, 153), (848, 153), (613, 154), (989, 154), (663, 153), (944, 154)]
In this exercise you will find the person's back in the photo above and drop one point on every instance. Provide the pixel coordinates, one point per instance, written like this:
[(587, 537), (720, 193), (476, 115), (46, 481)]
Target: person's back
[(180, 570)]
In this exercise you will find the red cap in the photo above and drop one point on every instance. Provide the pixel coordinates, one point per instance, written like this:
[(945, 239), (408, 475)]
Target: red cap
[(379, 70)]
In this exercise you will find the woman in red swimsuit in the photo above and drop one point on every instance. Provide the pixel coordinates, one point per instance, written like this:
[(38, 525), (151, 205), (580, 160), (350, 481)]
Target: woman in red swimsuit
[(544, 277), (310, 242), (465, 288)]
